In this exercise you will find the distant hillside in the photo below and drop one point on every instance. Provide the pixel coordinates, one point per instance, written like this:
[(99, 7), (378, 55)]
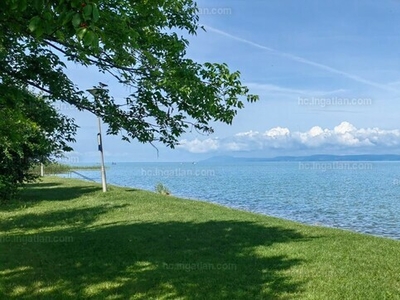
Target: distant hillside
[(319, 157)]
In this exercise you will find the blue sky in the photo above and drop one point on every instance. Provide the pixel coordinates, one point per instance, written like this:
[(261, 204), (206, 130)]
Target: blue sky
[(327, 73)]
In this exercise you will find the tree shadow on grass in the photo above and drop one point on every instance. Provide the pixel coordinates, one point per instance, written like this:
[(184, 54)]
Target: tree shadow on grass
[(43, 184), (33, 193), (75, 217), (54, 193), (170, 260), (133, 190)]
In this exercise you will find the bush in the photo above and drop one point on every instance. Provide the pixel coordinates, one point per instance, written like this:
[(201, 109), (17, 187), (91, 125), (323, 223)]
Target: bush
[(31, 131), (8, 188), (162, 189)]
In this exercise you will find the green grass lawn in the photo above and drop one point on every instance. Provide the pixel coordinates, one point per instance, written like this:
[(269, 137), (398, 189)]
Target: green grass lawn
[(65, 239)]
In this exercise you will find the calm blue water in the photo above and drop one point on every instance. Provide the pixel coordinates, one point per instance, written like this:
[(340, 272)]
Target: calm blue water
[(359, 196)]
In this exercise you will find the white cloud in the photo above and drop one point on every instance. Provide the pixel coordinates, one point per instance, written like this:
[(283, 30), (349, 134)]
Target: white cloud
[(198, 146), (344, 136), (277, 132), (344, 127), (249, 134)]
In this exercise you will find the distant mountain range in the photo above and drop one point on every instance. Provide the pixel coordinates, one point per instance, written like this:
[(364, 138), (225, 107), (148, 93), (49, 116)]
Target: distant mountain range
[(319, 157)]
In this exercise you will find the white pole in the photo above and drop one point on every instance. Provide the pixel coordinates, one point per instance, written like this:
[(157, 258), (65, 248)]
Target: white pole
[(41, 170), (95, 93), (103, 170)]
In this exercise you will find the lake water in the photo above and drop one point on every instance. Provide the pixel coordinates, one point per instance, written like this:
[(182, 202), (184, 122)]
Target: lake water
[(358, 196)]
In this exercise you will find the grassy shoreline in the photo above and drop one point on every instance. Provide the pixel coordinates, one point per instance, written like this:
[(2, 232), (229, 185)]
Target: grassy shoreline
[(59, 168), (65, 239)]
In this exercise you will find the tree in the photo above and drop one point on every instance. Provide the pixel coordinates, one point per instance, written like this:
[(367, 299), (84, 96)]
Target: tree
[(137, 43), (31, 131)]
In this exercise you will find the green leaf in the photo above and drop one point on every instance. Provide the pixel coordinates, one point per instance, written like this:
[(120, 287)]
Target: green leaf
[(66, 17), (76, 20), (14, 5), (81, 32), (75, 4), (87, 11), (95, 42), (22, 5), (33, 24), (88, 38), (38, 4), (95, 13)]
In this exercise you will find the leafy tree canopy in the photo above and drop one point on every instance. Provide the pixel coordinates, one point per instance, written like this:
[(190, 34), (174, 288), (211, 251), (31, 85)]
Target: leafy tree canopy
[(31, 131), (134, 41)]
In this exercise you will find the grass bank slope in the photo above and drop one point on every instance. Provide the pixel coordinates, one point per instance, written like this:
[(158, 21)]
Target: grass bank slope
[(66, 239)]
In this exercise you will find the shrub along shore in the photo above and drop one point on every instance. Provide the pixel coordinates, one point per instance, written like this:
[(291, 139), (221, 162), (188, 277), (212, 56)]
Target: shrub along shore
[(59, 168), (65, 239)]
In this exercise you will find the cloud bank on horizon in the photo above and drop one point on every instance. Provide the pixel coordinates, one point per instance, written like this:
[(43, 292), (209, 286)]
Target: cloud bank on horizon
[(345, 136)]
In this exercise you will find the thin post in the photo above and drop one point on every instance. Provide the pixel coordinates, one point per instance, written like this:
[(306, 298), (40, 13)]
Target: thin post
[(95, 93), (103, 170)]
